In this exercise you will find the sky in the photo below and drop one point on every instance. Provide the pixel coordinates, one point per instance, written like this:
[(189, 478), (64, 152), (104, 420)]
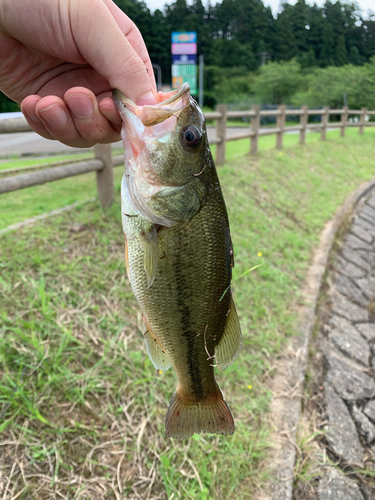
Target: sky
[(365, 5)]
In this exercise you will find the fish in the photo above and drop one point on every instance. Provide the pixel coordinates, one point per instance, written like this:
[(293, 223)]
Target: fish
[(179, 255)]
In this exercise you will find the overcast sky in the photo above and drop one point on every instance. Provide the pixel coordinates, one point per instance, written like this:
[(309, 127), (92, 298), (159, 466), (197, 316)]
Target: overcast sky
[(365, 5)]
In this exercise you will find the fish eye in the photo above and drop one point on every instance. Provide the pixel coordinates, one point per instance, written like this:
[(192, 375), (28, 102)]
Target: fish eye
[(191, 137)]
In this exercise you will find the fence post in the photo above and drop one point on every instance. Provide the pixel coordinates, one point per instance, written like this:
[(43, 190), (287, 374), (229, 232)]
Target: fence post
[(254, 127), (344, 118), (324, 121), (221, 127), (104, 177), (280, 122), (303, 123), (362, 120)]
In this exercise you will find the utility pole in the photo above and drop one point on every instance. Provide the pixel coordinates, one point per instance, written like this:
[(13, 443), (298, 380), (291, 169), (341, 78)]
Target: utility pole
[(158, 70), (265, 56), (201, 66)]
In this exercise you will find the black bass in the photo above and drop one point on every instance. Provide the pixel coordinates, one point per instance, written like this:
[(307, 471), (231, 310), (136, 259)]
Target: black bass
[(179, 255)]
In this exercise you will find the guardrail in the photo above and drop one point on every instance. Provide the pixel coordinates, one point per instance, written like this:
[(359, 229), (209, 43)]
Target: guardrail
[(103, 162), (254, 132)]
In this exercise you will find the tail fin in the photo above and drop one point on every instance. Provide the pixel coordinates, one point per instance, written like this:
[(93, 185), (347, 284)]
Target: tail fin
[(186, 418)]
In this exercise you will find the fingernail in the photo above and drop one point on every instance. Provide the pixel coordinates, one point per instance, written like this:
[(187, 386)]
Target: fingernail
[(106, 103), (80, 105), (29, 110), (148, 98), (54, 115)]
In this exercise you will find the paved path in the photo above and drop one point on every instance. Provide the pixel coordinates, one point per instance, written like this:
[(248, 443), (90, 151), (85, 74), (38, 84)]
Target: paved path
[(346, 361), (30, 143)]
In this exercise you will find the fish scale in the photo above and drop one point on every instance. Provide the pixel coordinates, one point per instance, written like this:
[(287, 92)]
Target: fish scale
[(180, 271)]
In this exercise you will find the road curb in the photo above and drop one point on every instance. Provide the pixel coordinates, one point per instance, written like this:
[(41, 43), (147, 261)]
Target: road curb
[(288, 382)]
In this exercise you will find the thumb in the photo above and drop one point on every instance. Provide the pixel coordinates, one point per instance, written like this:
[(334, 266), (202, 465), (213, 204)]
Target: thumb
[(105, 46)]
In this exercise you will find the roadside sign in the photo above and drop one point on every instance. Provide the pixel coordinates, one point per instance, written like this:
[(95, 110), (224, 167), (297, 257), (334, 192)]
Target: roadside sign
[(184, 59), (177, 81), (184, 73), (184, 37), (184, 48)]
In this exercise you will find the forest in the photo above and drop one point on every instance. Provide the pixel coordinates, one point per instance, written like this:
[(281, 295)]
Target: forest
[(237, 37)]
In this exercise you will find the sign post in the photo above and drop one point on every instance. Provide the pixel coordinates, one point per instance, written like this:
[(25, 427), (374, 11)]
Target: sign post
[(184, 59)]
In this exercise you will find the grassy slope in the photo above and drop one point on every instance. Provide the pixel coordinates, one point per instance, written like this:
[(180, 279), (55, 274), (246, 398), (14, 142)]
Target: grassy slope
[(82, 405), (17, 162), (20, 205)]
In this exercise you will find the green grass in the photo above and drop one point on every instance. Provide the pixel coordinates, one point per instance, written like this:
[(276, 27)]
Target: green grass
[(82, 408), (20, 162), (23, 204), (17, 162)]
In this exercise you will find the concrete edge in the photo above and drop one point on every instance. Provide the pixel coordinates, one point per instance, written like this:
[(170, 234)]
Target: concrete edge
[(288, 382), (37, 218)]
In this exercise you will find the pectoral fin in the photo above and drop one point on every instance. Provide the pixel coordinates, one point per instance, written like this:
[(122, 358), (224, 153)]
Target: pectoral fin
[(151, 255), (179, 203), (156, 352), (127, 258), (230, 343)]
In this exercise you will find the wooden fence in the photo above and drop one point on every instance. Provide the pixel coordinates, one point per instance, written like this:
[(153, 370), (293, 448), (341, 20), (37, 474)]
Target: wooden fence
[(103, 162)]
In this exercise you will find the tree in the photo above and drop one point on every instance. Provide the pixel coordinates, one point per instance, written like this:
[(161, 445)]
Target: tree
[(307, 59), (328, 42), (230, 53), (278, 82), (354, 56), (235, 33), (285, 46), (298, 18), (7, 105), (326, 87), (341, 54), (368, 36)]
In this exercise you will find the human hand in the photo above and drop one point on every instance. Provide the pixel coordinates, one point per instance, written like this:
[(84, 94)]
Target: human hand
[(61, 59)]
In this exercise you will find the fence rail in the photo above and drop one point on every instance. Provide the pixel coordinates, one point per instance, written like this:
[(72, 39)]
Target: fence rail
[(103, 163)]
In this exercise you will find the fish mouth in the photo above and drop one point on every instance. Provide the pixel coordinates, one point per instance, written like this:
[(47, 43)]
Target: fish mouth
[(146, 130), (169, 104)]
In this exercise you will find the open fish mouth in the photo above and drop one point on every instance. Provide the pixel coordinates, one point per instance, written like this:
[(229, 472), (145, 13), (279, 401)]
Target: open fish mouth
[(169, 104), (151, 135)]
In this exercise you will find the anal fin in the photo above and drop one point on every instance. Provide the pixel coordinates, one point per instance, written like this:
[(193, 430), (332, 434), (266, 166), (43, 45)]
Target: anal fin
[(230, 343), (156, 351)]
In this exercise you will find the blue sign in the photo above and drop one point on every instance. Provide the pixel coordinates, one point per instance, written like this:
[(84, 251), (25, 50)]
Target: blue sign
[(184, 37), (184, 59)]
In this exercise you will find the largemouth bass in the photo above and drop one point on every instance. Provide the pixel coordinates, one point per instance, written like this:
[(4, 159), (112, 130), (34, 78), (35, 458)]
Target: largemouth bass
[(179, 255)]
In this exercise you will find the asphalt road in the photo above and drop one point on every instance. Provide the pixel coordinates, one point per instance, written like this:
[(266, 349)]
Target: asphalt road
[(30, 143)]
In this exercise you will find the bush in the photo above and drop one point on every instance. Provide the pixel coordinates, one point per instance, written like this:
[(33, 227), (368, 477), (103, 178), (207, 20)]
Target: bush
[(278, 82), (326, 87), (223, 85)]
